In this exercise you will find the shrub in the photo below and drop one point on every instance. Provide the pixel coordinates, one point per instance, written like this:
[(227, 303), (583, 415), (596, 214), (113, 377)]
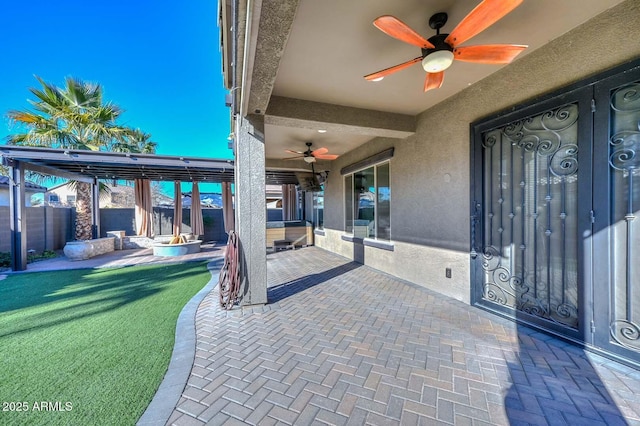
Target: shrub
[(5, 257)]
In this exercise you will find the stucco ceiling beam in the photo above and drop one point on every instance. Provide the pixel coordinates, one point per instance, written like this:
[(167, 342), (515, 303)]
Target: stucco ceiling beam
[(301, 166), (289, 112), (265, 42)]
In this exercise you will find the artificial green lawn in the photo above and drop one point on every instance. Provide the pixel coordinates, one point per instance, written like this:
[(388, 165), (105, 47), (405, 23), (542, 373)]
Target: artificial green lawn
[(96, 342)]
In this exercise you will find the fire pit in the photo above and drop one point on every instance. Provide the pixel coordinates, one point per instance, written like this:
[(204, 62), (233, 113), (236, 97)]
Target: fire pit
[(178, 246)]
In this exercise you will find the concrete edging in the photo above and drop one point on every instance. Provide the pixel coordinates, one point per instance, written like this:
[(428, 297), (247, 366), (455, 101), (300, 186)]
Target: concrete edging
[(184, 350)]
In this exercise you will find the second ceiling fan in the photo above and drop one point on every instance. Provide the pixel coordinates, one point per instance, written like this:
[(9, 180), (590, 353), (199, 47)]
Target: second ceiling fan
[(440, 50), (310, 156)]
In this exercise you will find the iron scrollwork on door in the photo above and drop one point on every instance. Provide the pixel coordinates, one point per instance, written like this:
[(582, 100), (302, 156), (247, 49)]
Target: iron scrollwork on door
[(530, 250), (624, 162)]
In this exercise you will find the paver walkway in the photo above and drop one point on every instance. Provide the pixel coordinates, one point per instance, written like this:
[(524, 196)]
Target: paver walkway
[(122, 258), (340, 343)]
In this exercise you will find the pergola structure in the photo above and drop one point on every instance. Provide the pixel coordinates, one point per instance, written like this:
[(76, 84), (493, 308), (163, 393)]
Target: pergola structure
[(93, 166)]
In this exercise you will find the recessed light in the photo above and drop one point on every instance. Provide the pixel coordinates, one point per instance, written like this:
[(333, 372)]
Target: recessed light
[(322, 131)]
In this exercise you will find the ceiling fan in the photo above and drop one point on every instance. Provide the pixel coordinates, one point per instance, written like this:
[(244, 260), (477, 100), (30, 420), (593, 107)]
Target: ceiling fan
[(310, 156), (440, 50)]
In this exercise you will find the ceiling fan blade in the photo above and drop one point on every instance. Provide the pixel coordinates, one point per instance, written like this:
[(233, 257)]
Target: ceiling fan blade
[(385, 72), (395, 28), (326, 156), (483, 16), (293, 152), (319, 151), (488, 53), (433, 80), (297, 157)]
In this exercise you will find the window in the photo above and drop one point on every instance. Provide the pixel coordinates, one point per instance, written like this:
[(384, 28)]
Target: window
[(367, 200), (71, 199), (53, 198), (318, 209)]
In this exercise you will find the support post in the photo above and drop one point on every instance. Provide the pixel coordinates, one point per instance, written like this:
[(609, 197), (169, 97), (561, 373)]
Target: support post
[(251, 217), (18, 217), (95, 209)]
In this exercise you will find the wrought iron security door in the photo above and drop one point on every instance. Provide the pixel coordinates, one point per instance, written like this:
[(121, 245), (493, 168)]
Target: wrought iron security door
[(617, 233), (556, 227), (530, 255)]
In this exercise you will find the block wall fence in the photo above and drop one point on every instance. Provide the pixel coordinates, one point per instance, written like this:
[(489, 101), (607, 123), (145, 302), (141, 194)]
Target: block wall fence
[(49, 228)]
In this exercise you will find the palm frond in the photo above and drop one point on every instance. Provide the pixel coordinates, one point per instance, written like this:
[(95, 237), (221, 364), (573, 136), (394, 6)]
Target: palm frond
[(24, 117), (75, 117)]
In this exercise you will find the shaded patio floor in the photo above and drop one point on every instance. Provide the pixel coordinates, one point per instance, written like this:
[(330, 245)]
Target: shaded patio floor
[(340, 343)]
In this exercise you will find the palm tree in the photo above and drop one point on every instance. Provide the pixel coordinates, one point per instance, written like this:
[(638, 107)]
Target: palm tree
[(76, 117), (134, 141)]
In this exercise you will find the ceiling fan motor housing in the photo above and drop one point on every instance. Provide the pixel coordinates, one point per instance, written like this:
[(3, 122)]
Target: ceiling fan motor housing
[(439, 43)]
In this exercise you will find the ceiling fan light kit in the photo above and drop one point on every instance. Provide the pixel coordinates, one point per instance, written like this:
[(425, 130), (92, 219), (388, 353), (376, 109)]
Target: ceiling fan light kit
[(440, 50), (437, 61)]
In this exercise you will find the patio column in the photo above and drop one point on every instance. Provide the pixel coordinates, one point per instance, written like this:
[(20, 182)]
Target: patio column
[(95, 208), (251, 218), (18, 217)]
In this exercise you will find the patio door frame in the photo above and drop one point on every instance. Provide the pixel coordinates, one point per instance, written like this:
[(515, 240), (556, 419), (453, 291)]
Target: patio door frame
[(604, 311)]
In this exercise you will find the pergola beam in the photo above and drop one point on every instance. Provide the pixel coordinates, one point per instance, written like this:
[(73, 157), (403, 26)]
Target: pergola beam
[(85, 166), (57, 172)]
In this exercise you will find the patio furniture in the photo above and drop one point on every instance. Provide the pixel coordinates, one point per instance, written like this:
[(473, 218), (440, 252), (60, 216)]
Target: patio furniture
[(289, 234)]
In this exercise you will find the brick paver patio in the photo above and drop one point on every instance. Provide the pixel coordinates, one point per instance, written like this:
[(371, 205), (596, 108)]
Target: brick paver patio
[(340, 343), (122, 258)]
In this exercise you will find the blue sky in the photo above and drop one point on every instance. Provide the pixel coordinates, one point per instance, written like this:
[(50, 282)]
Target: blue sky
[(158, 60)]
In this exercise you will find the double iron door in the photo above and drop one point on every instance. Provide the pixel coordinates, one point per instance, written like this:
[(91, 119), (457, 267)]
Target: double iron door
[(555, 229)]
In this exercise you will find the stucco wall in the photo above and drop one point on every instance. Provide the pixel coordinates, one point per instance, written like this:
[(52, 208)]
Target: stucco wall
[(430, 186)]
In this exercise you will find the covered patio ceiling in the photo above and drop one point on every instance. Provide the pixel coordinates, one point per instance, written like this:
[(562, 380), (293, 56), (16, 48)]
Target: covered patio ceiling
[(307, 59), (87, 166)]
